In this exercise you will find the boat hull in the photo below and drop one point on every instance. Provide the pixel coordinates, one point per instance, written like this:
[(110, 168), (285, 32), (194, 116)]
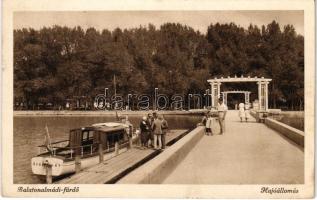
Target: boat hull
[(60, 166)]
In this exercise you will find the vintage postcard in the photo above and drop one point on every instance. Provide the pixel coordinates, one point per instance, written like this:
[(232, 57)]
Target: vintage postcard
[(158, 99)]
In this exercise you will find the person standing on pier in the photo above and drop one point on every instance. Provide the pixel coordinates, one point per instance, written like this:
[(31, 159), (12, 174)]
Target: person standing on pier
[(247, 111), (157, 130), (222, 111), (145, 132), (150, 119), (204, 122), (164, 131), (209, 124), (241, 111)]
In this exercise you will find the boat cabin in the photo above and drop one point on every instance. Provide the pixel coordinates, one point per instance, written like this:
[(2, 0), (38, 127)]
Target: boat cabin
[(89, 137)]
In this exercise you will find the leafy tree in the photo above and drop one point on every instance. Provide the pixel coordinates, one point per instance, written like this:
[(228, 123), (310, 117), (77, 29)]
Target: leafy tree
[(55, 64)]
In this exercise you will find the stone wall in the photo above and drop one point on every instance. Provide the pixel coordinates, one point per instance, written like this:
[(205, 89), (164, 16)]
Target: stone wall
[(291, 133)]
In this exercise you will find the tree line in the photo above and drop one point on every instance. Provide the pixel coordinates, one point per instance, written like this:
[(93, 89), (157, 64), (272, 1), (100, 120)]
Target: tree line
[(58, 64)]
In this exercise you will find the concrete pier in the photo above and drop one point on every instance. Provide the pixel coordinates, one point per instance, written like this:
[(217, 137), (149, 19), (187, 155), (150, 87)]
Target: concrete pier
[(248, 153)]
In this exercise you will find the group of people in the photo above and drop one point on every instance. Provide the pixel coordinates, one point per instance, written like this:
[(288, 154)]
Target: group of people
[(220, 114), (244, 111), (153, 129), (209, 118)]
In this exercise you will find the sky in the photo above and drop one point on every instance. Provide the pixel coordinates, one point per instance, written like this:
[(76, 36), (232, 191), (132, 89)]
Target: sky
[(199, 20)]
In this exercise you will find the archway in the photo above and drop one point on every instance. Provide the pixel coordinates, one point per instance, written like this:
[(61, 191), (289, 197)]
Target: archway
[(262, 89), (246, 95)]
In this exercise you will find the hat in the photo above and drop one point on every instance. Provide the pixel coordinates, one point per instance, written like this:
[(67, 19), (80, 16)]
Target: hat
[(144, 118)]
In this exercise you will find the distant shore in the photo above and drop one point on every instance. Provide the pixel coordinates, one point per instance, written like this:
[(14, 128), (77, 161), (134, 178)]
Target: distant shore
[(101, 113), (113, 113)]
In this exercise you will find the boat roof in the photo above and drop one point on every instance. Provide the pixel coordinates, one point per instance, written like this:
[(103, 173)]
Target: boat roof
[(105, 127), (110, 129)]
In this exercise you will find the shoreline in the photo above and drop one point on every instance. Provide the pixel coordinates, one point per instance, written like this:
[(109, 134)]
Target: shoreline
[(98, 113)]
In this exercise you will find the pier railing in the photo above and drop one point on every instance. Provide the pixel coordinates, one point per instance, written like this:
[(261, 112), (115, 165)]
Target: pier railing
[(91, 149)]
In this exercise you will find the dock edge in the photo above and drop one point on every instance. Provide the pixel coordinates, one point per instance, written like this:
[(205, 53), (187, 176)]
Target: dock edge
[(291, 133)]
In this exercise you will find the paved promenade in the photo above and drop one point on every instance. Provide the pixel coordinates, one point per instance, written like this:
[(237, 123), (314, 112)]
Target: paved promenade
[(248, 153)]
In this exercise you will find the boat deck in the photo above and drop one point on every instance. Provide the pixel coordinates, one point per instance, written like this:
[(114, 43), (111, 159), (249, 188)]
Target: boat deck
[(115, 168)]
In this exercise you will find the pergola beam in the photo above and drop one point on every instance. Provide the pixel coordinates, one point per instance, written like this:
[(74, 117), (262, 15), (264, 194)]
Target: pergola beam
[(236, 92), (241, 79)]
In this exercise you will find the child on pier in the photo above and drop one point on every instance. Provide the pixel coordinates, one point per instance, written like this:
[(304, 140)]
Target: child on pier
[(241, 111), (209, 124), (204, 122)]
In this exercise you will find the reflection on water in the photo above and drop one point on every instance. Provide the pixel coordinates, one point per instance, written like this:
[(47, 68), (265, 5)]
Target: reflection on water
[(29, 132)]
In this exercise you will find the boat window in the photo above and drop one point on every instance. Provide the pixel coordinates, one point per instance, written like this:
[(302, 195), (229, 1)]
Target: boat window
[(85, 135), (88, 135), (91, 135)]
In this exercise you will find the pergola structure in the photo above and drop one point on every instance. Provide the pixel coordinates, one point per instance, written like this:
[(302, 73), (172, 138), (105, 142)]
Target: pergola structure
[(246, 95), (262, 88)]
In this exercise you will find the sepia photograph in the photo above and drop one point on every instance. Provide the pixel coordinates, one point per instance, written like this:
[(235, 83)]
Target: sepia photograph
[(161, 97)]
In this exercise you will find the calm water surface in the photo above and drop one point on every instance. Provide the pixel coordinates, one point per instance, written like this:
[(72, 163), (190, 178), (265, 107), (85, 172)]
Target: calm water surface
[(295, 122), (29, 132)]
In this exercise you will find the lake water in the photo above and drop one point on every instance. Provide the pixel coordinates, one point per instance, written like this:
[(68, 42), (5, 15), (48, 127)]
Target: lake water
[(29, 132), (295, 122)]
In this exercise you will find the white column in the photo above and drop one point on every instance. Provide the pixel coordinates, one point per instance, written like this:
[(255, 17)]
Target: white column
[(245, 98), (259, 95), (218, 93), (266, 96), (215, 93), (224, 98), (218, 89), (212, 95), (263, 96)]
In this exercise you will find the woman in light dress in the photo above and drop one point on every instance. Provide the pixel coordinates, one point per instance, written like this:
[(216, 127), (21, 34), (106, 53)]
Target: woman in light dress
[(241, 111), (247, 111)]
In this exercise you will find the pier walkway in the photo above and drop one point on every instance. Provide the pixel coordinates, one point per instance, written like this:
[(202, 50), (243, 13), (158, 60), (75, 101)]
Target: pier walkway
[(248, 153)]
